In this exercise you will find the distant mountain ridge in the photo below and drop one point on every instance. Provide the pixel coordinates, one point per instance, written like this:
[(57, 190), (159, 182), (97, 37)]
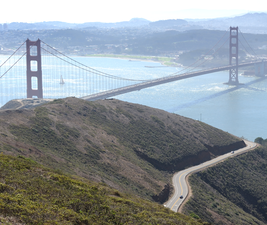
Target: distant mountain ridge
[(135, 22), (250, 22)]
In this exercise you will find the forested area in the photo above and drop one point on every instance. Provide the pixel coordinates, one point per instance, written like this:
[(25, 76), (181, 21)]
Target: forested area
[(261, 141)]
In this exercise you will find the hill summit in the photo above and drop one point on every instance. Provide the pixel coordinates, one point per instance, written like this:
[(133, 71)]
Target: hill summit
[(129, 147)]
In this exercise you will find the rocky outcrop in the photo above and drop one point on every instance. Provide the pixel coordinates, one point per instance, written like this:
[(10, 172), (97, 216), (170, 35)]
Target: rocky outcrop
[(164, 194)]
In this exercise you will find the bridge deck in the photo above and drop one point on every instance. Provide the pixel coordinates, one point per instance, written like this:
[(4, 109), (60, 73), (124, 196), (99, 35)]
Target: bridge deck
[(151, 83)]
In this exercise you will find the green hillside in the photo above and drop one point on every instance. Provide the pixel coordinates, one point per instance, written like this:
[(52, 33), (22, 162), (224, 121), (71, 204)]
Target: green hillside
[(233, 192), (33, 194), (132, 148)]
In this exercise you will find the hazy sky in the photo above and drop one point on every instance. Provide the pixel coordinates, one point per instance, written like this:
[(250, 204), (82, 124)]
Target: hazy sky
[(80, 11)]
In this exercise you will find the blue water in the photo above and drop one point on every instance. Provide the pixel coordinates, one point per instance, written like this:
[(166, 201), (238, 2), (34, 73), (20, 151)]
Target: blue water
[(240, 110)]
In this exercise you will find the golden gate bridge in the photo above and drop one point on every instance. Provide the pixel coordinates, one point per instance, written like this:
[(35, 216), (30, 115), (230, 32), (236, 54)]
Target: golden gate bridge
[(37, 70)]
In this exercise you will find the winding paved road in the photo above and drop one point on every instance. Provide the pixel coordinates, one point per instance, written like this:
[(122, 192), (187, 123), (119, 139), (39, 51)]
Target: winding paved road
[(179, 179)]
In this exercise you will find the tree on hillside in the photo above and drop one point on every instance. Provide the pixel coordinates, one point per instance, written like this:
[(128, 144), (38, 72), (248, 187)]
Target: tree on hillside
[(261, 141)]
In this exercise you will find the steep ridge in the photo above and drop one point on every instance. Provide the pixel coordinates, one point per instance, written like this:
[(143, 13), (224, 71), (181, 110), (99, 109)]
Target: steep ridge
[(129, 147)]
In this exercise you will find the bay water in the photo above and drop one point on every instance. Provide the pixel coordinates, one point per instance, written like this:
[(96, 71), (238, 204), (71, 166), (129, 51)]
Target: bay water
[(240, 110)]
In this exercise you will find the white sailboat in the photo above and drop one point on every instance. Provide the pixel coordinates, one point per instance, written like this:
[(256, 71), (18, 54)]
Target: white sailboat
[(61, 80)]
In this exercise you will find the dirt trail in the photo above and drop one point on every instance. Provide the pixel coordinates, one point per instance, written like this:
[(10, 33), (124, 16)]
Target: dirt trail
[(25, 103)]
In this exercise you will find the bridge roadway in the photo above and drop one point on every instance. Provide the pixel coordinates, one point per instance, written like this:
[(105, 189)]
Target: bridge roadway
[(179, 179), (163, 80)]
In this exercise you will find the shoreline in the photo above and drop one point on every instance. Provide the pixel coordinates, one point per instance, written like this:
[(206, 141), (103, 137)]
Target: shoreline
[(164, 61)]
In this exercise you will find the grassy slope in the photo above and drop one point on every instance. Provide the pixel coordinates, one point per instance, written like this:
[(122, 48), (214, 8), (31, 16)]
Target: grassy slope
[(33, 194), (103, 141), (233, 192)]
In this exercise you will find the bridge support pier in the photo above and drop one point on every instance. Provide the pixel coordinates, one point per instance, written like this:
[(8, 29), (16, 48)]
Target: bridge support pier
[(260, 69), (34, 69), (233, 56)]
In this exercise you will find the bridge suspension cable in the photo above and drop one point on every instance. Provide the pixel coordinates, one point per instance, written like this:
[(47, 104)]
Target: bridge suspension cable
[(80, 80), (12, 75), (195, 64), (84, 67), (13, 54), (254, 54), (9, 58)]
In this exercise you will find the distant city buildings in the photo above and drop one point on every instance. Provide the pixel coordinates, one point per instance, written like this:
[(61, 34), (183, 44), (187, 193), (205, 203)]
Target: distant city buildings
[(4, 26)]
